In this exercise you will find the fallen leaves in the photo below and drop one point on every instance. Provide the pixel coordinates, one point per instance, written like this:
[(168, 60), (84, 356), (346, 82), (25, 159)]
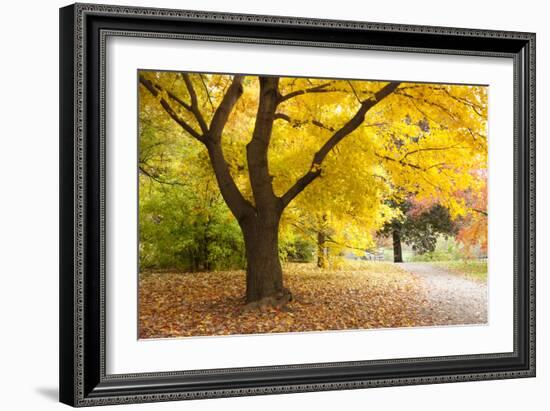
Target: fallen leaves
[(360, 296)]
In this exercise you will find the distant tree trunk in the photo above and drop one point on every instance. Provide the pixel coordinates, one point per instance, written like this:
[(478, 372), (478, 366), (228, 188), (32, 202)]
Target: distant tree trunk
[(397, 253), (322, 250), (205, 257)]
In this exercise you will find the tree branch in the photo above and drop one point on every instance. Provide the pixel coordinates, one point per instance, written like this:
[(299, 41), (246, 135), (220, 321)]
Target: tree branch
[(430, 149), (233, 197), (230, 98), (350, 247), (317, 89), (432, 103), (399, 161), (411, 165), (157, 179), (298, 123), (349, 127), (476, 108), (175, 98), (479, 211), (194, 103), (207, 91), (155, 91), (354, 92), (256, 150)]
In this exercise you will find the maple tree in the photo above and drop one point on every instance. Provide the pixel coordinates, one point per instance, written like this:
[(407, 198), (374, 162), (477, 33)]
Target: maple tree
[(281, 148)]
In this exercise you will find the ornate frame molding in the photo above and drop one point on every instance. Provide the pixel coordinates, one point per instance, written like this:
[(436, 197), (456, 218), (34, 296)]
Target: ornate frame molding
[(82, 335)]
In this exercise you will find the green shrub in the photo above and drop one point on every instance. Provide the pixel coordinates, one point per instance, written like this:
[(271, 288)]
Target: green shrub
[(446, 249), (297, 250)]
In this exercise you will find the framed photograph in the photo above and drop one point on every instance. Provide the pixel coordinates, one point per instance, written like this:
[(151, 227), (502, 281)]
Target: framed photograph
[(260, 204)]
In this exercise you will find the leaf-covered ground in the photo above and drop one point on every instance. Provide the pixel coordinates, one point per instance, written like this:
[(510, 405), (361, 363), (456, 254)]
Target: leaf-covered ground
[(366, 295)]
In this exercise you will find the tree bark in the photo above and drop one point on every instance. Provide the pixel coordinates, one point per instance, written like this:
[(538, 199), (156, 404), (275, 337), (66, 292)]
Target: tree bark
[(397, 252), (264, 275), (322, 252)]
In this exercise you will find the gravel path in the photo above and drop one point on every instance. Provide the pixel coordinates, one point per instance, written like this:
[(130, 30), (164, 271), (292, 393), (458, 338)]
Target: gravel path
[(449, 298)]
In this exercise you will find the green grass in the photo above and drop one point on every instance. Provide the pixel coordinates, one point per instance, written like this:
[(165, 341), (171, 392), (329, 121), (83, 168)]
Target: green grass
[(474, 269)]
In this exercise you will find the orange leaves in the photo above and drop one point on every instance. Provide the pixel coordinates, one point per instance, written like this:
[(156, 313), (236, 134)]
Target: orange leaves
[(474, 233), (369, 295), (474, 227)]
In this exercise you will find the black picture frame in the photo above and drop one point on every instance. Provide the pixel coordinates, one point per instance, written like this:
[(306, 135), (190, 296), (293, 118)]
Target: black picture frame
[(83, 29)]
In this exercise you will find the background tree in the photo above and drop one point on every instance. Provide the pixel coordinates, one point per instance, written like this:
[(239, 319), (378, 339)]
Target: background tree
[(184, 222), (473, 231), (285, 136), (418, 227)]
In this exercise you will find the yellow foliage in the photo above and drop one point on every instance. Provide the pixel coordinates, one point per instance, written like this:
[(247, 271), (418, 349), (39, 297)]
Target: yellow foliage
[(423, 139)]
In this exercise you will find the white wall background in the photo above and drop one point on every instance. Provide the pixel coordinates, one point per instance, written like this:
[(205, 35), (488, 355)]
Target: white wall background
[(29, 204)]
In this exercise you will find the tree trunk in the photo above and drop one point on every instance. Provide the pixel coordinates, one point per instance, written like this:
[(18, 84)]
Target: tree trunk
[(397, 253), (264, 275), (322, 251)]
